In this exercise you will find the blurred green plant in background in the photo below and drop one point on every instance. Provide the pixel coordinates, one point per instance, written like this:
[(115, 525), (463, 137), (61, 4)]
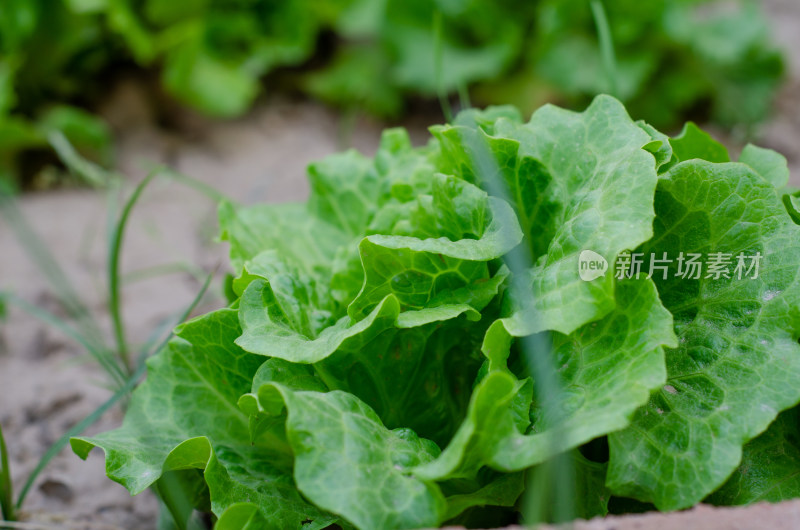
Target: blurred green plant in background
[(675, 59)]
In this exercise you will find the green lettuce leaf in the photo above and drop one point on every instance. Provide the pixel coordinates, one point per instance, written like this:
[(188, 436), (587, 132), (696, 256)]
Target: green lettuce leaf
[(624, 350), (344, 191), (247, 473), (442, 245), (219, 88), (356, 78), (693, 142), (770, 468), (768, 163), (347, 462), (185, 416), (407, 366), (250, 231), (577, 181), (502, 491), (738, 359), (660, 145), (241, 516), (591, 494), (431, 57)]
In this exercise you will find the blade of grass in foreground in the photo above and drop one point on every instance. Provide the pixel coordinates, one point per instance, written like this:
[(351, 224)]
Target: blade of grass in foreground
[(115, 249), (88, 171), (101, 354), (190, 182), (551, 491), (6, 493), (438, 57), (606, 45)]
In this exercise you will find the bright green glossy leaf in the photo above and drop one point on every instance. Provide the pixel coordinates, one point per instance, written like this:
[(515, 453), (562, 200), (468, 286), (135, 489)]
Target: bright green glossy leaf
[(738, 360), (347, 462), (693, 142), (578, 181), (185, 416), (607, 369)]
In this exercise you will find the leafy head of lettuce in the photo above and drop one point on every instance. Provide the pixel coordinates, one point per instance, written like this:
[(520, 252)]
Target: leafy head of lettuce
[(407, 345)]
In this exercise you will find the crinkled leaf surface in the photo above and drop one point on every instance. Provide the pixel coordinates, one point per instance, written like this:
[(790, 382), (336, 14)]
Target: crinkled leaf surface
[(414, 368), (578, 181), (443, 244), (607, 370), (185, 416), (247, 473), (394, 350), (344, 191), (293, 300), (738, 360), (347, 462), (250, 231)]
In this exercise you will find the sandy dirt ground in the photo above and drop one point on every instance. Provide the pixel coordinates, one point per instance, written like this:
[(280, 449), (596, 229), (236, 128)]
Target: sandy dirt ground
[(46, 382)]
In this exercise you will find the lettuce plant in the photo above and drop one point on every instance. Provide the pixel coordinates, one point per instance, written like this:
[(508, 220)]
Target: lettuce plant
[(416, 340), (673, 59)]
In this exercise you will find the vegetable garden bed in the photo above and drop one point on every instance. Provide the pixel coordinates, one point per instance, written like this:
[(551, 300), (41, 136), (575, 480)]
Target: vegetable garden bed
[(407, 222)]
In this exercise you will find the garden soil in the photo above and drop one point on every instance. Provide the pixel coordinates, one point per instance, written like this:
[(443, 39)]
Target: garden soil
[(47, 384)]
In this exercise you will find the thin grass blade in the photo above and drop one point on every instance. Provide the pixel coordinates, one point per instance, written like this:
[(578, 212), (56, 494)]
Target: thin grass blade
[(102, 355), (606, 45), (88, 171), (115, 250), (190, 182), (438, 58), (6, 493)]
